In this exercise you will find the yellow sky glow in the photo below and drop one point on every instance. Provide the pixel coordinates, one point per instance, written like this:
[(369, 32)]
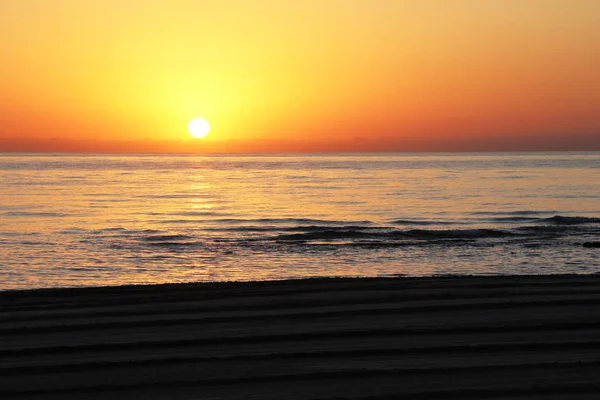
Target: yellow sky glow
[(313, 75)]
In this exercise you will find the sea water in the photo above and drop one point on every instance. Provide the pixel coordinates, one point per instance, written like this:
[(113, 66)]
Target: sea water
[(89, 220)]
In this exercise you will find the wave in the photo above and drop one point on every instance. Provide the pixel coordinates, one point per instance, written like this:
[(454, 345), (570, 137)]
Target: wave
[(595, 245), (395, 234), (175, 244), (458, 233), (421, 222), (171, 196), (33, 214), (165, 238), (200, 214), (555, 226), (513, 213), (327, 235), (279, 231), (116, 229), (289, 221), (297, 228), (179, 222), (258, 224), (519, 217), (189, 214), (557, 220), (560, 220), (513, 219)]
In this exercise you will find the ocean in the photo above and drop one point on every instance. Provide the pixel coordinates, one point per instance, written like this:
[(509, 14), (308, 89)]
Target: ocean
[(95, 220)]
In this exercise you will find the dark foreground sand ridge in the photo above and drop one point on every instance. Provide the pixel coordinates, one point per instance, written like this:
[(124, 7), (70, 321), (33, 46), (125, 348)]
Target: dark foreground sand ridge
[(448, 338)]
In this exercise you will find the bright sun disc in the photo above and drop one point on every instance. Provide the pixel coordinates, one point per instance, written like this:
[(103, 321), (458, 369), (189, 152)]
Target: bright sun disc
[(199, 128)]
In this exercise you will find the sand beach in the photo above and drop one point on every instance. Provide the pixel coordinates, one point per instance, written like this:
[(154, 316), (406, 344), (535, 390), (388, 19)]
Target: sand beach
[(519, 337)]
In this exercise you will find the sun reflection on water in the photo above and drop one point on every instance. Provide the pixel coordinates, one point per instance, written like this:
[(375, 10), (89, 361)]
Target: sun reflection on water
[(81, 221)]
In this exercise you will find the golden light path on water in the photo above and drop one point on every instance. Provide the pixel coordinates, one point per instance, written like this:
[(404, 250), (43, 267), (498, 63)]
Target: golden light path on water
[(105, 219)]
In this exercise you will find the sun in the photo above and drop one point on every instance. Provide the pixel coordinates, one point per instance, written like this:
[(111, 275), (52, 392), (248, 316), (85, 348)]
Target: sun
[(199, 128)]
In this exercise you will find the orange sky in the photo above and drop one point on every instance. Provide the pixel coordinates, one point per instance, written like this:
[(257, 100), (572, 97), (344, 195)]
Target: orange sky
[(311, 75)]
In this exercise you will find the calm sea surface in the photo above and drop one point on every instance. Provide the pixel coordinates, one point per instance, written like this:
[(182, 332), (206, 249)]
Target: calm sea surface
[(88, 220)]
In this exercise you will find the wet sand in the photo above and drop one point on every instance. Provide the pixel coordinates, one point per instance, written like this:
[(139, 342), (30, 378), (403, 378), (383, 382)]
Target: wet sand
[(529, 337)]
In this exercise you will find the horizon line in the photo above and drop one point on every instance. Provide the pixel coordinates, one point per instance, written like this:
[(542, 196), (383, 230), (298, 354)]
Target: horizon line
[(289, 152)]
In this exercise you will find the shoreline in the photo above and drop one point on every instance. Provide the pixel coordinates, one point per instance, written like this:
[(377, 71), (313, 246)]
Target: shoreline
[(319, 280), (524, 336)]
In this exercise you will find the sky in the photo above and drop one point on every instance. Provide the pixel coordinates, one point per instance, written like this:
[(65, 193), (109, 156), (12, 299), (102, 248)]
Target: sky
[(299, 76)]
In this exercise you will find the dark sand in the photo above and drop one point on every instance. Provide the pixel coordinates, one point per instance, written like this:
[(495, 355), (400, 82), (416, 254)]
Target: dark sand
[(447, 338)]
